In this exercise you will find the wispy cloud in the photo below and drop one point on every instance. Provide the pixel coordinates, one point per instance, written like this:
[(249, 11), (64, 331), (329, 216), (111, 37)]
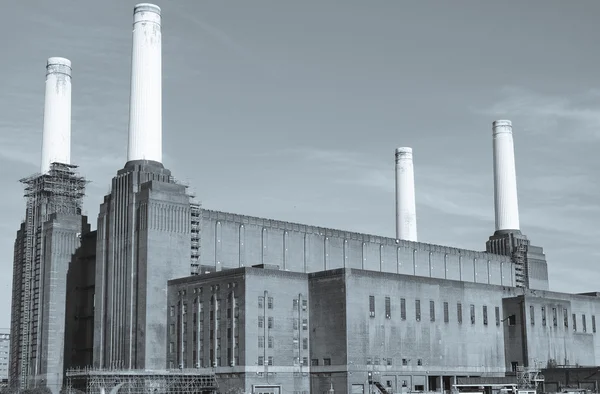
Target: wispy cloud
[(543, 112)]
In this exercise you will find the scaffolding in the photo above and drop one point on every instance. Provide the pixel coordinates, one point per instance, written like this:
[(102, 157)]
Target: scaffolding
[(195, 217), (519, 259), (529, 377), (180, 381), (59, 191)]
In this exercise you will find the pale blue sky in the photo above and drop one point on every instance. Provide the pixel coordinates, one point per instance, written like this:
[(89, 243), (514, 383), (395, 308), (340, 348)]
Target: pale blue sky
[(292, 110)]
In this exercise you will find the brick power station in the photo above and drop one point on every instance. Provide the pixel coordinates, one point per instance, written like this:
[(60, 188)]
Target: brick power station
[(270, 306)]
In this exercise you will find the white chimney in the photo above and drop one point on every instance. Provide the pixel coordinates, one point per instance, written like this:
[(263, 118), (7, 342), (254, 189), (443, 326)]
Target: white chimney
[(406, 212), (505, 177), (145, 110), (56, 137)]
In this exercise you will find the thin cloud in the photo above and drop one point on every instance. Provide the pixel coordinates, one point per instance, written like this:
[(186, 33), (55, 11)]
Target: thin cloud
[(541, 113)]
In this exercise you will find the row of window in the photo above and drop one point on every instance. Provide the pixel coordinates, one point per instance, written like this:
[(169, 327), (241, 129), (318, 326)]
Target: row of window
[(565, 318), (390, 361), (432, 314), (295, 302)]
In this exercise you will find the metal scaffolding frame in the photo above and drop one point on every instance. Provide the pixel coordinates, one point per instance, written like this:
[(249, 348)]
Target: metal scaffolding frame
[(180, 381), (60, 190)]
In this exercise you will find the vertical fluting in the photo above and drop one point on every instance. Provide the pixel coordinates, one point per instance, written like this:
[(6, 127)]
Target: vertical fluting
[(56, 137), (145, 111), (406, 212), (505, 177)]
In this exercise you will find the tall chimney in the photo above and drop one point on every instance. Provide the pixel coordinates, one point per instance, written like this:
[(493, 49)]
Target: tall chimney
[(505, 177), (406, 212), (56, 137), (145, 110)]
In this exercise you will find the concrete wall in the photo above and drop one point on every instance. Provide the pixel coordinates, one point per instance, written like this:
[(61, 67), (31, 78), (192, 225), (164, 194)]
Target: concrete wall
[(231, 241), (61, 240), (79, 309)]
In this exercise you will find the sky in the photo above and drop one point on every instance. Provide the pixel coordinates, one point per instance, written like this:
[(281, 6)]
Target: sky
[(292, 110)]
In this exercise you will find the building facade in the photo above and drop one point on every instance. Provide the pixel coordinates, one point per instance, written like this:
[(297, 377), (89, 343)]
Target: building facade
[(267, 330)]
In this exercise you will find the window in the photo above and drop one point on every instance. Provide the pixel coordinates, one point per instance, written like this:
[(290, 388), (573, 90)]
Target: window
[(314, 362), (554, 317), (497, 315), (593, 323), (261, 360), (388, 308), (368, 360), (574, 322), (459, 312), (295, 304), (261, 302), (376, 361), (583, 323), (304, 304), (295, 323), (485, 317), (431, 310), (543, 316), (532, 314), (372, 306), (172, 328), (270, 360), (304, 324), (261, 321), (389, 361), (402, 308), (172, 310), (184, 309), (304, 360), (418, 310), (270, 322), (472, 314), (261, 342), (304, 343), (566, 318), (446, 313), (271, 341), (270, 303), (326, 361), (419, 361), (171, 347), (404, 361)]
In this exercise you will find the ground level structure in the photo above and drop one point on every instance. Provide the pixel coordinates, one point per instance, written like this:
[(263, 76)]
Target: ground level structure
[(96, 381)]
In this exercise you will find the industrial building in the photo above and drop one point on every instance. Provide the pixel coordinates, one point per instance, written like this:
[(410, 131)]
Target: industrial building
[(271, 306)]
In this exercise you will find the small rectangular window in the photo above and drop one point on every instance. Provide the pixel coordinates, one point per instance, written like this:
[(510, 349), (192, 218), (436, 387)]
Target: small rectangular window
[(314, 362), (261, 321), (459, 314), (304, 304), (389, 361), (270, 360), (304, 360), (326, 361), (261, 302), (372, 306), (403, 308), (270, 303), (543, 316), (305, 343), (472, 314), (295, 323), (566, 318), (404, 361), (172, 310), (593, 323), (485, 316), (261, 342), (554, 317), (497, 315), (304, 324), (418, 310), (270, 322), (574, 322), (532, 314), (388, 308), (446, 313), (271, 342), (431, 311), (295, 304), (419, 361), (261, 360), (583, 324)]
